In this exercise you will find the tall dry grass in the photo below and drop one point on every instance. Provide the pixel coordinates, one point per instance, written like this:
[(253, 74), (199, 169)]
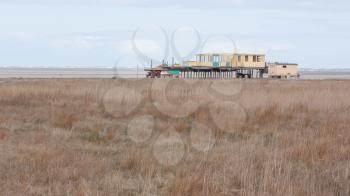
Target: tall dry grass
[(58, 137)]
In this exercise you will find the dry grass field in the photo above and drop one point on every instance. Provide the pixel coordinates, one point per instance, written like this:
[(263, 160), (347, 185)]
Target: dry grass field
[(162, 137)]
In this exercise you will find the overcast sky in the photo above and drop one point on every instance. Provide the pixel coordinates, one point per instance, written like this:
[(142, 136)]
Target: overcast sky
[(98, 33)]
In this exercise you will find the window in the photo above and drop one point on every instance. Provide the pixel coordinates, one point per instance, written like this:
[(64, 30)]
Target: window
[(239, 58), (246, 58), (254, 58), (258, 58)]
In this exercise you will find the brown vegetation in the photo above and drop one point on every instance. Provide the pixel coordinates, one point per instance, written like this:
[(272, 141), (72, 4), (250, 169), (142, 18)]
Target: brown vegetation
[(69, 137)]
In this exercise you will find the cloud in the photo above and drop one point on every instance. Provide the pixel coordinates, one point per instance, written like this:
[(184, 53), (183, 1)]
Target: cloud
[(19, 36), (79, 42), (200, 4)]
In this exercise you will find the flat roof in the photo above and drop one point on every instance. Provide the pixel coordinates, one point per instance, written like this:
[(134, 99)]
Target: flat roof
[(250, 54), (277, 63)]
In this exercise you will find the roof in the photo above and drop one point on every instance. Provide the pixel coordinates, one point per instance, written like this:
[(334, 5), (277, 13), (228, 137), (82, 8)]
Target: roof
[(231, 54), (215, 53), (277, 63)]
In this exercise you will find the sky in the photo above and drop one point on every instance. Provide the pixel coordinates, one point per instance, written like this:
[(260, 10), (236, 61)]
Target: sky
[(103, 33)]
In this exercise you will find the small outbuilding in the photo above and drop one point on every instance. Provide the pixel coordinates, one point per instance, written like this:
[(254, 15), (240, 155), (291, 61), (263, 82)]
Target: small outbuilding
[(283, 70)]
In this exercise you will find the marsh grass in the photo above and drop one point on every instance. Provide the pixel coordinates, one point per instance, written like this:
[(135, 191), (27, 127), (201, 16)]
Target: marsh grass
[(57, 138)]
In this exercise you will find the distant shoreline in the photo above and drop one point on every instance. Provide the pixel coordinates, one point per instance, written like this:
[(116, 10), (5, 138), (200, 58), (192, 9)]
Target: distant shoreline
[(77, 73)]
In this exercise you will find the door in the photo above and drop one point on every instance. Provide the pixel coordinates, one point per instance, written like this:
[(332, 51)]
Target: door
[(216, 60)]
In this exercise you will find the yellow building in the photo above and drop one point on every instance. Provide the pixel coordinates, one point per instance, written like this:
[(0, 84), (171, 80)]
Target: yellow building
[(249, 61), (244, 64), (283, 70), (232, 60)]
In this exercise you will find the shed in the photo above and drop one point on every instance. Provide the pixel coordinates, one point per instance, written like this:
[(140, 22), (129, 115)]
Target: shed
[(282, 70)]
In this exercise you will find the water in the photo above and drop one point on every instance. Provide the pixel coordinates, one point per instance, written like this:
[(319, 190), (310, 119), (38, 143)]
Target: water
[(76, 73)]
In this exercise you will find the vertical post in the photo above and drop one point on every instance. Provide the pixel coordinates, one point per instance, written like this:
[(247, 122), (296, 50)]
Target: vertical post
[(137, 71)]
